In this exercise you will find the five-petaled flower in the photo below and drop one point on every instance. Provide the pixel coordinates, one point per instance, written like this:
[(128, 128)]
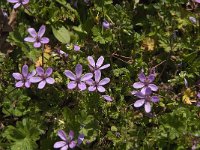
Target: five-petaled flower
[(37, 38), (145, 82), (24, 77), (43, 77), (18, 3), (98, 65), (145, 99), (78, 79), (67, 142), (97, 84)]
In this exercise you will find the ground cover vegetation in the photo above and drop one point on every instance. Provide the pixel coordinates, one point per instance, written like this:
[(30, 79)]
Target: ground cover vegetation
[(99, 74)]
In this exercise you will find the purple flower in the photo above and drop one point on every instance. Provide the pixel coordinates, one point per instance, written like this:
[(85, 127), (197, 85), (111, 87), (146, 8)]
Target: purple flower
[(97, 66), (198, 1), (78, 79), (62, 53), (145, 99), (97, 84), (107, 98), (106, 24), (67, 142), (193, 20), (43, 77), (198, 95), (77, 48), (145, 82), (37, 38), (24, 77), (18, 3), (80, 139)]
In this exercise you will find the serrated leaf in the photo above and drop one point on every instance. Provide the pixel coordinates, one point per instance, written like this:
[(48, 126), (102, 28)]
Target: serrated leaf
[(24, 135)]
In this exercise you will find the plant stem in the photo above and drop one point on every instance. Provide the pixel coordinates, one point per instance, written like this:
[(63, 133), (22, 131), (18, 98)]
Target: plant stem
[(42, 55)]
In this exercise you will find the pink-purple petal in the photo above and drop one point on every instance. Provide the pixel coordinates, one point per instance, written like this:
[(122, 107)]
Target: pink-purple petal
[(153, 87), (100, 61), (101, 89), (82, 86), (49, 71), (59, 144), (71, 134), (92, 88), (50, 80), (142, 77), (25, 2), (107, 98), (104, 81), (139, 103), (80, 138), (30, 39), (40, 71), (146, 91), (151, 78), (42, 84), (104, 66), (13, 1), (17, 76), (72, 144), (97, 75), (71, 85), (138, 85), (70, 75), (37, 44), (77, 48), (89, 82), (17, 5), (25, 70), (139, 95), (65, 147), (44, 40), (31, 74), (19, 84), (154, 99), (147, 107), (35, 79), (62, 135), (32, 32), (41, 31), (27, 84), (91, 61), (86, 77), (78, 70)]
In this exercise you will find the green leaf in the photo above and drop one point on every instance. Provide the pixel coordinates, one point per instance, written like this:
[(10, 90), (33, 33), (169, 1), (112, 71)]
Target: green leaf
[(62, 34), (114, 128), (24, 135)]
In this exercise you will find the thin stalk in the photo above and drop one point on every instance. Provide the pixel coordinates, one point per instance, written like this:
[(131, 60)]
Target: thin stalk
[(42, 55)]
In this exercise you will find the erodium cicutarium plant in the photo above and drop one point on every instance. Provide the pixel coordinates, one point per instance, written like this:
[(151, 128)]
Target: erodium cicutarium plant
[(77, 79), (23, 79), (37, 38), (43, 77), (18, 3), (68, 141), (98, 65), (145, 99)]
